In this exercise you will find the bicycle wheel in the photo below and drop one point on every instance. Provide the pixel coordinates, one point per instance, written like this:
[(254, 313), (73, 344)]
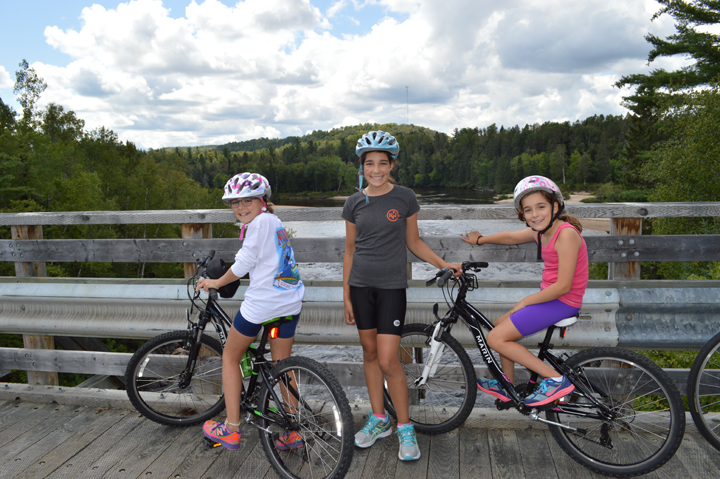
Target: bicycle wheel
[(642, 425), (444, 402), (154, 374), (322, 421), (704, 391)]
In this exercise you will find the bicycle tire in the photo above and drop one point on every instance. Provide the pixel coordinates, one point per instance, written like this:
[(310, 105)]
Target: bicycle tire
[(322, 415), (446, 399), (704, 391), (153, 374), (648, 420)]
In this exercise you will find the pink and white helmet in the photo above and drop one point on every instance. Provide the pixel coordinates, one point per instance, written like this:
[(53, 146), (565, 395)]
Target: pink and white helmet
[(246, 185), (531, 184)]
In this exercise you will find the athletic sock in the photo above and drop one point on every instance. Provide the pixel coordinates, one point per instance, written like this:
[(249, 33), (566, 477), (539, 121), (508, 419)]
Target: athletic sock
[(382, 417)]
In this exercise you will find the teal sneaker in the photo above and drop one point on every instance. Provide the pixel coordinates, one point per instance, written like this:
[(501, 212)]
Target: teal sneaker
[(409, 450), (492, 386), (374, 429), (549, 391)]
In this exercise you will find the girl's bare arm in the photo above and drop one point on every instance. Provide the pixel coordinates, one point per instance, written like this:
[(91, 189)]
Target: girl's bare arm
[(506, 237), (350, 234)]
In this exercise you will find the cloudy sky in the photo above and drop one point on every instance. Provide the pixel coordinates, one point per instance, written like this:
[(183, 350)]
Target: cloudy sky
[(181, 72)]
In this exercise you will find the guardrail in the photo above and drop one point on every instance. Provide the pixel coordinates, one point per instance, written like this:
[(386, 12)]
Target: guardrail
[(628, 312)]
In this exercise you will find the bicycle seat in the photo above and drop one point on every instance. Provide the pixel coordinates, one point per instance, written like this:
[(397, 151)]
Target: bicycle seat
[(564, 323), (277, 321)]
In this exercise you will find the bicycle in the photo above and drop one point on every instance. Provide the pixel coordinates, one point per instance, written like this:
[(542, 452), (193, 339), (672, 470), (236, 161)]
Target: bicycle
[(704, 391), (175, 379), (625, 417)]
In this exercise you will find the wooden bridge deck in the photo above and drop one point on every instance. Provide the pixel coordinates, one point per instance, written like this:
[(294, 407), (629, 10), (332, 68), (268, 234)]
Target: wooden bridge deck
[(79, 441)]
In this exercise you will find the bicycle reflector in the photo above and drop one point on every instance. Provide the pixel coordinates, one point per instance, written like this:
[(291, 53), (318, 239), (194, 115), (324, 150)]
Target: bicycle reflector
[(274, 331)]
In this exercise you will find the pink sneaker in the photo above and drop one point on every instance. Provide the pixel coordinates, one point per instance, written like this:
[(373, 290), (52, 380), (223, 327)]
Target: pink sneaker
[(289, 440), (219, 433)]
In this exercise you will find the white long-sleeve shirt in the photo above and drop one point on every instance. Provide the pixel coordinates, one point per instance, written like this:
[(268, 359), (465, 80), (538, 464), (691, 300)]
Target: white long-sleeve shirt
[(275, 286)]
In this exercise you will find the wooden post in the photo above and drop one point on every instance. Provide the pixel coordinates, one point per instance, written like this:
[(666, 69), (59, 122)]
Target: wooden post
[(195, 231), (625, 226), (27, 232), (408, 270)]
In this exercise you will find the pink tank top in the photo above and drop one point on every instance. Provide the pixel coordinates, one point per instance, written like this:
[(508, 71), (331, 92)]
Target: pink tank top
[(550, 273)]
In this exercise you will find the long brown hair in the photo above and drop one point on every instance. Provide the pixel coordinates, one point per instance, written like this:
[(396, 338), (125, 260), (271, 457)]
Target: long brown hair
[(390, 159), (269, 205), (573, 220)]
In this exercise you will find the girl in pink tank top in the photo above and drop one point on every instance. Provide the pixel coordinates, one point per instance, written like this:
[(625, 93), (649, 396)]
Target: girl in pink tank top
[(540, 205)]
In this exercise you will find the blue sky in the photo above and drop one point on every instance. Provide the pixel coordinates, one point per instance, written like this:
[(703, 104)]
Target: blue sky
[(212, 71)]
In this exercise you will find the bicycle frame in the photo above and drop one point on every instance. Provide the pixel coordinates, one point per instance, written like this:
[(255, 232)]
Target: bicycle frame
[(262, 367), (476, 321)]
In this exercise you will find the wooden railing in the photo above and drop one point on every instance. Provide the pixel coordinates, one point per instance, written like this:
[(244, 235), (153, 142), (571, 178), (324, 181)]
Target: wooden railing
[(624, 249)]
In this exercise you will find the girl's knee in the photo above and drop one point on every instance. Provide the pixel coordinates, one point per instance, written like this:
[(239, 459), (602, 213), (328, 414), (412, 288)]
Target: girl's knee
[(370, 355)]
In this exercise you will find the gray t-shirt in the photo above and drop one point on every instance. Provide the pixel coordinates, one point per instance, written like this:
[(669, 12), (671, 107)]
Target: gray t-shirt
[(380, 251)]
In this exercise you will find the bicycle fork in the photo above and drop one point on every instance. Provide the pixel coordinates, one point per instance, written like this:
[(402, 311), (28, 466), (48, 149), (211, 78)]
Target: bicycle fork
[(436, 351)]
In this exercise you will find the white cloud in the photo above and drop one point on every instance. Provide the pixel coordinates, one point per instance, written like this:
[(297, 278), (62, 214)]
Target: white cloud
[(278, 67), (5, 80)]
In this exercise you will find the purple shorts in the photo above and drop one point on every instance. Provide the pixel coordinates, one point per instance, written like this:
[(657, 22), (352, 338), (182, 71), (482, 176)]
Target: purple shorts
[(537, 317)]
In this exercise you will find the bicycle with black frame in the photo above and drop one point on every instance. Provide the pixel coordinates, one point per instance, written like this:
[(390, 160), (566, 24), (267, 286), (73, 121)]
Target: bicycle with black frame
[(624, 418), (175, 379)]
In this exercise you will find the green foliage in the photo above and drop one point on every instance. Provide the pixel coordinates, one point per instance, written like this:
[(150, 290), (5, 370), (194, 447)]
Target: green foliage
[(692, 40), (686, 168)]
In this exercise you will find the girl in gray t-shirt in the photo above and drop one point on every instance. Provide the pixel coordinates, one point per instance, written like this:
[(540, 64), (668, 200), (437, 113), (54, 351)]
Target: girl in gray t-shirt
[(380, 223)]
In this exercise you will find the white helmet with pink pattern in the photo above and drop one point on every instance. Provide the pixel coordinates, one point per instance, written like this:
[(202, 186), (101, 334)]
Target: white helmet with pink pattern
[(246, 185), (531, 184)]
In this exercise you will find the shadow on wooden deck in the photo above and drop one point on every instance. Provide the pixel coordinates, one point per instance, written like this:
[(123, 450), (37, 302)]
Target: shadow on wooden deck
[(66, 441)]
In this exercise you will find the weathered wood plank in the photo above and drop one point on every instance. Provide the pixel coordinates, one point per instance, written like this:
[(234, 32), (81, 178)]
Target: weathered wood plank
[(42, 418), (182, 448), (382, 459), (474, 454), (706, 449), (66, 449), (505, 454), (444, 456), (84, 464), (147, 449), (625, 227), (617, 249), (434, 212), (695, 460), (536, 456), (85, 362), (227, 463), (194, 231), (28, 449), (144, 430), (565, 466), (255, 464)]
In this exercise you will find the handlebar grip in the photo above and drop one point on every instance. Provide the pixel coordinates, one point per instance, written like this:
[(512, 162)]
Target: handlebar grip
[(443, 279), (213, 293)]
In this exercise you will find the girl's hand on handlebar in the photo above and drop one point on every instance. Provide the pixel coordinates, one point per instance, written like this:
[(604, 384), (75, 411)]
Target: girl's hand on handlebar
[(472, 237), (206, 284), (455, 266), (349, 315)]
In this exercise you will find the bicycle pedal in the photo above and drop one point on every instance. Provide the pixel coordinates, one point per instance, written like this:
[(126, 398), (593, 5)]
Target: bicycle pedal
[(503, 406), (210, 443)]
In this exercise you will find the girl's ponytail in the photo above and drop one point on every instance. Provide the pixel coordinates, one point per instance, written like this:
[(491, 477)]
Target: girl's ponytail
[(573, 220)]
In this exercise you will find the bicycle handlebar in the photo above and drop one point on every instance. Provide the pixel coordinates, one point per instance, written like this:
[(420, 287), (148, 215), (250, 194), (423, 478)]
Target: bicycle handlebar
[(445, 274)]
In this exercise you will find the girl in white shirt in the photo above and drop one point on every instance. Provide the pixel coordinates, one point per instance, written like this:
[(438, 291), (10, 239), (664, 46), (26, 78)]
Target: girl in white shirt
[(275, 291)]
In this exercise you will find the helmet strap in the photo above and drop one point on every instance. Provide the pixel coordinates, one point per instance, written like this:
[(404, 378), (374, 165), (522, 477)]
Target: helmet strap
[(264, 206), (360, 182), (553, 217), (242, 231)]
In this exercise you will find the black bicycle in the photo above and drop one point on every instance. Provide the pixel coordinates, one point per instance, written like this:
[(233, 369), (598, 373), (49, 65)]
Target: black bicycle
[(176, 379), (704, 391), (625, 417)]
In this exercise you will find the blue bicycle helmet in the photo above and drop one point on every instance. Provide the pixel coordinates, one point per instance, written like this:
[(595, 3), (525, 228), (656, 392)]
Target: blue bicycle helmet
[(378, 141)]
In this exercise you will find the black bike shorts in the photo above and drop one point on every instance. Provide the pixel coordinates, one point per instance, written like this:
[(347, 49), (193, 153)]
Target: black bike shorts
[(381, 309)]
